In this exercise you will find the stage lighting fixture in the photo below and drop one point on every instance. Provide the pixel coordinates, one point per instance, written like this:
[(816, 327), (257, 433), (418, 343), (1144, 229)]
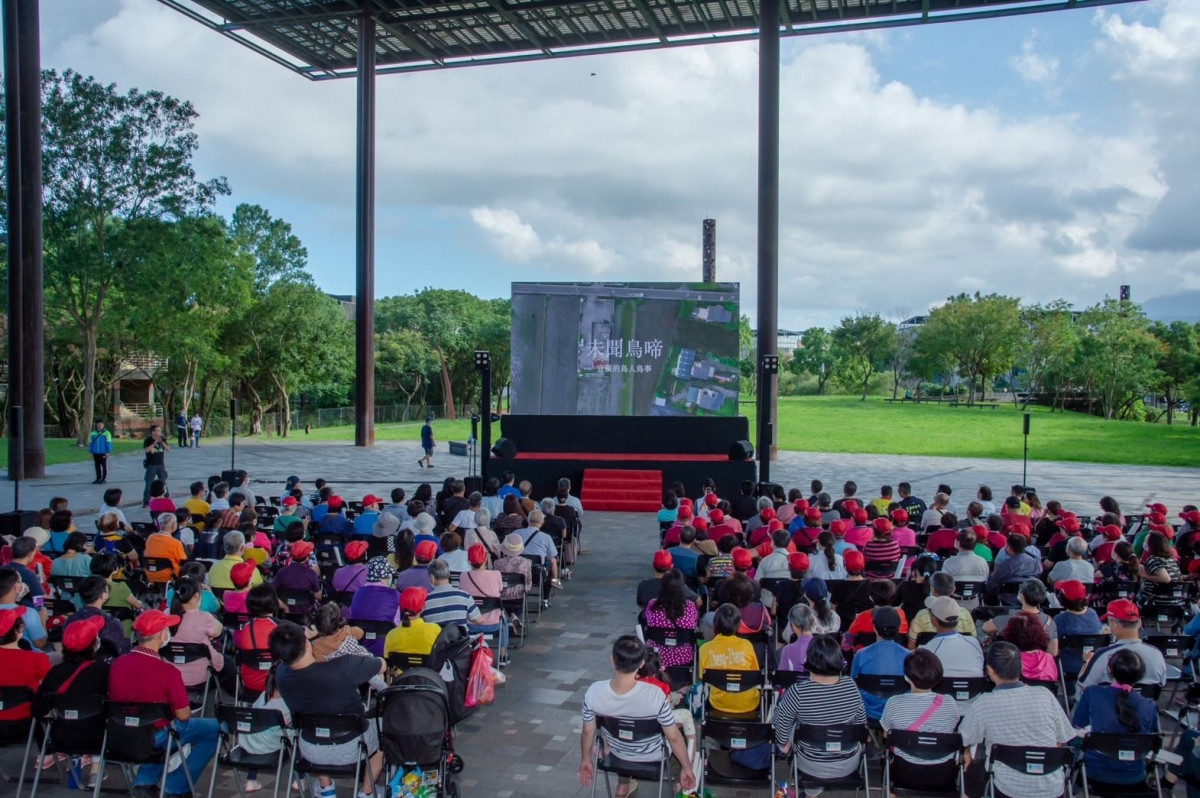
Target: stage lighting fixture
[(770, 364), (483, 359)]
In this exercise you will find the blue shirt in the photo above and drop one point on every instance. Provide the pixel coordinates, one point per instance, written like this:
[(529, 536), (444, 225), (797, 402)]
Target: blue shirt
[(1068, 623), (34, 631), (364, 525), (684, 560), (319, 512), (427, 437), (1097, 707), (335, 524), (507, 490), (884, 658)]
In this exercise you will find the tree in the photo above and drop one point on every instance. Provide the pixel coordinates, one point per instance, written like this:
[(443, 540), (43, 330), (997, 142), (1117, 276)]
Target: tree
[(404, 363), (747, 356), (108, 160), (861, 345), (1047, 348), (277, 252), (814, 356), (1117, 356), (1177, 362), (979, 334)]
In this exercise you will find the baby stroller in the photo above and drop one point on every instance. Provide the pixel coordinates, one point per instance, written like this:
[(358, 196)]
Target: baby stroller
[(416, 731)]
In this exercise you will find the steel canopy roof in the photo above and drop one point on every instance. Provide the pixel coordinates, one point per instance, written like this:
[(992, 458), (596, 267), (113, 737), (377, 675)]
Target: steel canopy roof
[(318, 38)]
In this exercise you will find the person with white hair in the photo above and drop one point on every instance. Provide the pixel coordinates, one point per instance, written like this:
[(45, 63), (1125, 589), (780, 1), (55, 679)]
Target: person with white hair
[(539, 543), (482, 533), (1075, 566)]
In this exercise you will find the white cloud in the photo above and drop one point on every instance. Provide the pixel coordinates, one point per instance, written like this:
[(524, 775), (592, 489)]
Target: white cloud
[(1033, 66), (518, 241)]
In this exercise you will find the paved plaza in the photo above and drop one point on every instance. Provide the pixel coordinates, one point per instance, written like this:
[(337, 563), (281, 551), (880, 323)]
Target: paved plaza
[(527, 743)]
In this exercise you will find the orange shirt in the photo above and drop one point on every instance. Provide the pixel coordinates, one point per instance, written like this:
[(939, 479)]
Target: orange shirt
[(863, 622), (168, 548)]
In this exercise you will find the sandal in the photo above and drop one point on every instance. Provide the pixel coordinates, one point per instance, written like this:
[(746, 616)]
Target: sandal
[(633, 785)]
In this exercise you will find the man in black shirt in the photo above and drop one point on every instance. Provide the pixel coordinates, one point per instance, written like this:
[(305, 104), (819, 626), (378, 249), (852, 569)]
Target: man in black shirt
[(648, 588), (911, 504), (744, 506), (155, 448)]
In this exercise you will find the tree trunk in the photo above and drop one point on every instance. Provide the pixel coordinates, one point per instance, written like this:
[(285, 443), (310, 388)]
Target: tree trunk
[(1170, 407), (866, 385), (971, 392), (447, 391), (90, 331), (285, 411)]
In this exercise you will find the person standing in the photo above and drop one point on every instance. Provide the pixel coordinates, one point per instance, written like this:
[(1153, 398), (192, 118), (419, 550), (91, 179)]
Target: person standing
[(155, 448), (100, 444), (181, 428), (197, 427), (427, 443)]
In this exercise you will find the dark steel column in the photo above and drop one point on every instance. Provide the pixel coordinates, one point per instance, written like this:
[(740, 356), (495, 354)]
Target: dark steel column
[(30, 108), (12, 123), (485, 421), (364, 316), (768, 224)]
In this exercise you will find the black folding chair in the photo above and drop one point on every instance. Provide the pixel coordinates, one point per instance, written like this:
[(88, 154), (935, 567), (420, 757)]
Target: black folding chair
[(73, 726), (66, 587), (926, 746), (299, 604), (129, 741), (970, 591), (17, 732), (184, 653), (733, 682), (1123, 747), (373, 630), (1083, 645), (1030, 760), (672, 637), (880, 686), (248, 720), (639, 732), (729, 736), (158, 565), (509, 581), (400, 662), (332, 729), (256, 659), (539, 576), (834, 739), (963, 688)]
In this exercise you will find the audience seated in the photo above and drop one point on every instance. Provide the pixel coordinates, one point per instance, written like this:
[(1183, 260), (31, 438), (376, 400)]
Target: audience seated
[(728, 652), (1125, 623), (1031, 597), (921, 709), (1115, 708), (960, 655), (940, 584), (414, 634), (673, 608), (884, 657)]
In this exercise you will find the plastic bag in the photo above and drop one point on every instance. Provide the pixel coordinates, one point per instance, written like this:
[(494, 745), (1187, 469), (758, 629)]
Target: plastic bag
[(481, 683)]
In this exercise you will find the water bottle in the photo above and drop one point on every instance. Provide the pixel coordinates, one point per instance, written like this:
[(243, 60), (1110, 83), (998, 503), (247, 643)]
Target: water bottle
[(75, 779)]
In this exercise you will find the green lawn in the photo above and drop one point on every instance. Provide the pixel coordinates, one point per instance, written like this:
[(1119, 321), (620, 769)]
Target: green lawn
[(841, 424), (64, 450)]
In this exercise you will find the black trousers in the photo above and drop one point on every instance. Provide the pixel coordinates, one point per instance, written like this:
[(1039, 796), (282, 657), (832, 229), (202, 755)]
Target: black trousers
[(182, 434), (101, 463)]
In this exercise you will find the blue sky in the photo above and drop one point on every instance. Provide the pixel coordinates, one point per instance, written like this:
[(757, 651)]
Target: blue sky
[(1026, 156)]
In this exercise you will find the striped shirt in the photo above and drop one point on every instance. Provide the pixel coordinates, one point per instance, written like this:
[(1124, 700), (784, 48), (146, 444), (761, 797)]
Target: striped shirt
[(1017, 714), (445, 604), (886, 550), (902, 711), (813, 704), (644, 701)]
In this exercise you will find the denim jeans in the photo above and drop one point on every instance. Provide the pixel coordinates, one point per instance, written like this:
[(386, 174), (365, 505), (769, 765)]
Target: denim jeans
[(201, 735)]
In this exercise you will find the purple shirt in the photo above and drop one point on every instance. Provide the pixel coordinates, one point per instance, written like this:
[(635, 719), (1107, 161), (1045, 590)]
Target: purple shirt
[(417, 576), (296, 576), (794, 654), (374, 602)]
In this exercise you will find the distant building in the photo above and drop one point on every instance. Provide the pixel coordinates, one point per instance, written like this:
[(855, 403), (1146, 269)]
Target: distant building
[(347, 302), (716, 314), (683, 367), (705, 398)]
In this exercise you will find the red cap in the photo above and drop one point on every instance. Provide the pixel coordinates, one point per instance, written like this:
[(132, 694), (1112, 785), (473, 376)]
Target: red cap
[(1109, 531), (662, 561), (981, 532), (765, 548), (1158, 507), (767, 513), (700, 524), (426, 551), (1163, 530), (900, 516), (151, 622), (8, 618), (854, 561), (838, 528), (684, 514), (801, 506), (685, 502), (1072, 590), (1157, 518), (335, 503), (710, 499), (356, 549), (860, 515), (882, 525), (241, 574), (812, 514), (412, 599), (742, 559), (79, 635), (798, 561), (716, 516), (302, 550), (1122, 610), (851, 505), (1194, 566), (774, 525), (370, 499), (1191, 516), (1069, 523), (290, 501), (477, 554)]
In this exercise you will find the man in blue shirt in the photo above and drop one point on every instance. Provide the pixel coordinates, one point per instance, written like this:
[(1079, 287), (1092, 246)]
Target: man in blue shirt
[(427, 444), (509, 487), (364, 522), (683, 556), (335, 521), (100, 446), (885, 657)]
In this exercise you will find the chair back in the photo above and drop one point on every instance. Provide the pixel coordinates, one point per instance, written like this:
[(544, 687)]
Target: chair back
[(835, 739), (963, 688), (737, 735), (969, 591), (77, 724), (329, 728), (256, 659), (881, 686), (631, 731), (925, 745), (733, 681), (131, 729), (405, 661), (183, 653), (65, 585), (1084, 644), (669, 636), (373, 630), (248, 720), (1171, 646), (1123, 746), (158, 565), (782, 680), (15, 697), (1032, 760), (144, 528)]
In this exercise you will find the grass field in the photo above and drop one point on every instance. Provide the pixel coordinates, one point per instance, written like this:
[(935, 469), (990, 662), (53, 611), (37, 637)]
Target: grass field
[(64, 450), (841, 424)]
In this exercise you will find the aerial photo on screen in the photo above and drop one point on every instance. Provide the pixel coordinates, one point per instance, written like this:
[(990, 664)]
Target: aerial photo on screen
[(625, 349)]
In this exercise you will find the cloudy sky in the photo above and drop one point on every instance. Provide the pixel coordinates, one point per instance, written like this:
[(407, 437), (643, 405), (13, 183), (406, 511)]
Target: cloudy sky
[(1048, 156)]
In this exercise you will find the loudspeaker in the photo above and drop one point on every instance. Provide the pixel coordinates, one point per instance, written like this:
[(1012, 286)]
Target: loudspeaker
[(229, 477), (505, 449), (1026, 423), (16, 522), (741, 451), (474, 484)]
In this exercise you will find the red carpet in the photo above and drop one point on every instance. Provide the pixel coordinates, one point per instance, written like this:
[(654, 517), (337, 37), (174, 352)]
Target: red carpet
[(621, 490), (619, 456)]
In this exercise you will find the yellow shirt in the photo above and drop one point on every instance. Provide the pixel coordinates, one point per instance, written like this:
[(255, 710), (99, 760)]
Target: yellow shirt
[(924, 623), (198, 507), (218, 575), (730, 653), (415, 639), (882, 506)]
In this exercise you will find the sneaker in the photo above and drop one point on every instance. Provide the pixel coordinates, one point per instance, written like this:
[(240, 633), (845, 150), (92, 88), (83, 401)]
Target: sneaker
[(328, 792), (252, 785), (421, 463), (556, 584), (516, 627), (545, 605)]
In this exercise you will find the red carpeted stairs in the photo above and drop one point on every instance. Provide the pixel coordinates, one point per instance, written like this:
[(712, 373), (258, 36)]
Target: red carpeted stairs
[(618, 490)]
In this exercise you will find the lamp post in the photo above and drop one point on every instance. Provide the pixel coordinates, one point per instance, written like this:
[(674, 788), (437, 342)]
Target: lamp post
[(768, 367), (1025, 457), (483, 364)]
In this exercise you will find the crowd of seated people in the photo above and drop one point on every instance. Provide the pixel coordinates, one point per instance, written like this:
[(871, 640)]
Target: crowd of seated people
[(290, 605), (1010, 623)]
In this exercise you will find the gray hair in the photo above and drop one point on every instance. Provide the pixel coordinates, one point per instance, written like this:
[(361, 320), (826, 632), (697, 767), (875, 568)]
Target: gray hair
[(438, 570), (942, 584), (764, 502), (1077, 547), (801, 617), (483, 517), (167, 521), (536, 517), (1033, 591), (234, 541), (548, 506)]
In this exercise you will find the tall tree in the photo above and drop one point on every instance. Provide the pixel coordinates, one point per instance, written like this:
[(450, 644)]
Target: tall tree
[(979, 333), (747, 356), (404, 363), (1047, 348), (277, 251), (1177, 361), (1116, 358), (109, 159), (862, 345), (814, 356)]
